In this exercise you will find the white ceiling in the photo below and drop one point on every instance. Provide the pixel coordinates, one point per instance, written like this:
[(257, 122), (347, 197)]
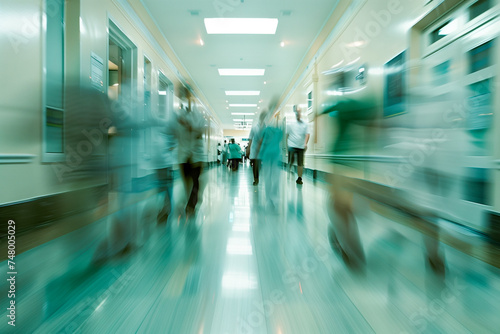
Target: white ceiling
[(181, 22)]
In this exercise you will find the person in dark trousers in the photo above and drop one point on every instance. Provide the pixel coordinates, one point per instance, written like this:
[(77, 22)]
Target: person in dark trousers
[(254, 142), (190, 146), (297, 139)]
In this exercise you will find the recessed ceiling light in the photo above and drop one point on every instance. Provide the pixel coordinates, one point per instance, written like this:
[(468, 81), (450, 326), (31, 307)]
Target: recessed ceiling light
[(201, 42), (243, 113), (242, 92), (282, 44), (241, 71), (242, 105), (241, 26), (265, 82), (242, 120)]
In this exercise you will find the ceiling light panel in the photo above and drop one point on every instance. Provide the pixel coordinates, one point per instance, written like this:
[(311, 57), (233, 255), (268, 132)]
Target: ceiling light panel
[(243, 113), (241, 26), (241, 71), (242, 105), (242, 92)]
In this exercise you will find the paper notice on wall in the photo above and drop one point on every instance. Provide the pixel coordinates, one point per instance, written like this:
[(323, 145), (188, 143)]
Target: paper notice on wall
[(96, 72)]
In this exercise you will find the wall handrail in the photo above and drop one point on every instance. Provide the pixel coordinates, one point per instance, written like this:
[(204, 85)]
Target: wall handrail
[(16, 158), (366, 158)]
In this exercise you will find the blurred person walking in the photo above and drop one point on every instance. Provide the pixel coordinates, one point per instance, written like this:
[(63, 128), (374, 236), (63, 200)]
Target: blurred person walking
[(255, 139), (270, 154), (164, 144), (235, 154), (189, 134), (297, 138), (108, 128), (224, 153), (219, 154)]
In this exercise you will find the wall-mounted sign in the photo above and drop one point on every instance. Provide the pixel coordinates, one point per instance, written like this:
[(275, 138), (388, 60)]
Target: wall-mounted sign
[(395, 86)]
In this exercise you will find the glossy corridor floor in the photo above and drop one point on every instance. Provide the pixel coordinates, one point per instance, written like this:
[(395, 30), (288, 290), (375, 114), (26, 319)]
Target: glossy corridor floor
[(243, 267)]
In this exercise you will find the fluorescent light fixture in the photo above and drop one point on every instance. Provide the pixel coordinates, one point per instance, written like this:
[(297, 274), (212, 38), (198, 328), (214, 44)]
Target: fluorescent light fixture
[(242, 71), (162, 92), (242, 92), (242, 113), (241, 26), (242, 105), (242, 120)]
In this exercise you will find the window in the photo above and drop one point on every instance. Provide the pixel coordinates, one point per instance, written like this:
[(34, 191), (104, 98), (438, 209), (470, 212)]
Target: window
[(480, 105), (309, 102), (53, 127), (439, 33), (478, 8), (480, 57), (476, 185), (442, 73), (164, 97)]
